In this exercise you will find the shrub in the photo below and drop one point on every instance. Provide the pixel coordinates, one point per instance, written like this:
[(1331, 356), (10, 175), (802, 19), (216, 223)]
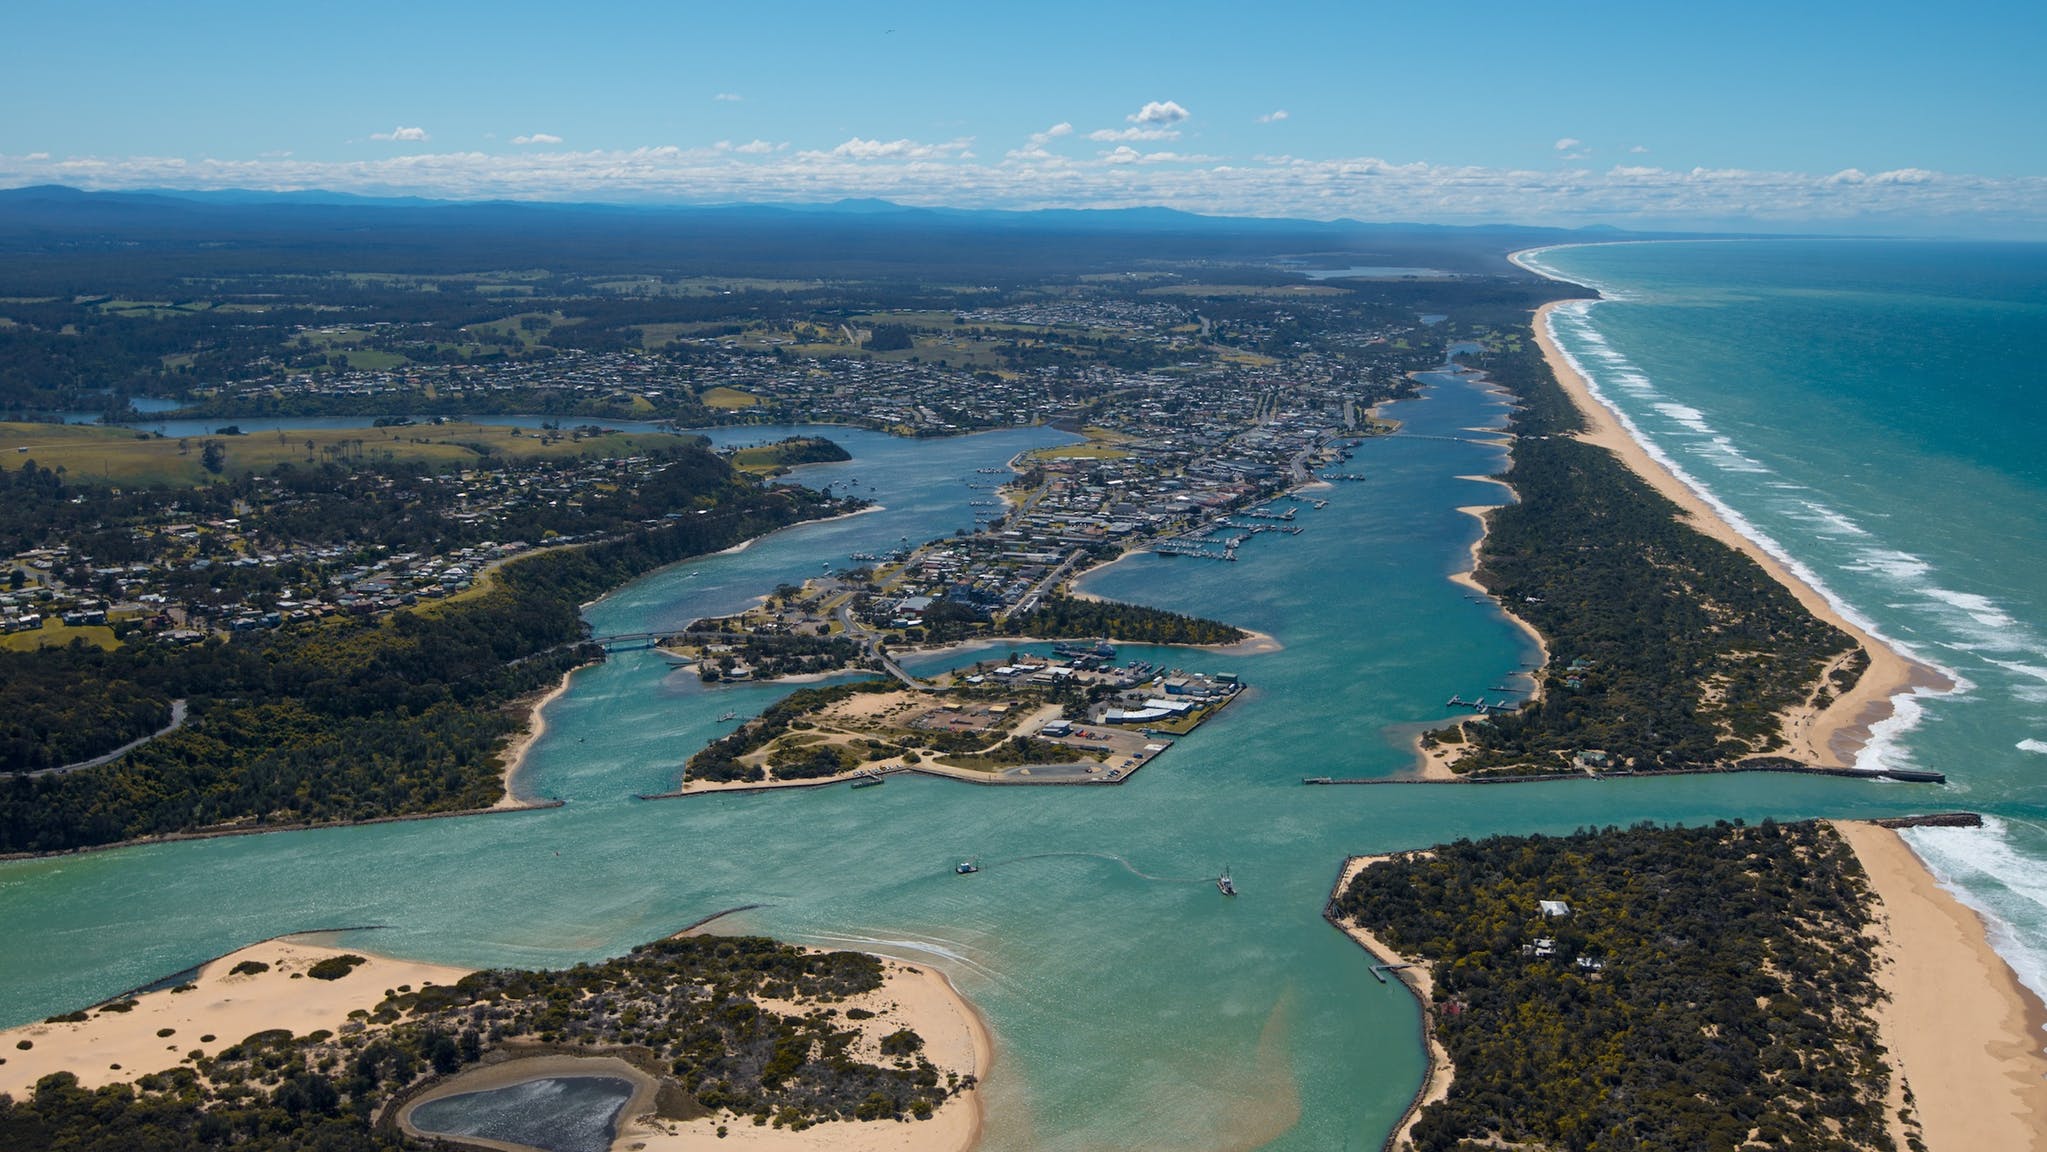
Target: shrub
[(335, 967)]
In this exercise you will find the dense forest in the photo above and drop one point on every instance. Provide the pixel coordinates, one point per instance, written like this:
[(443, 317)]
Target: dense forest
[(1667, 648), (355, 719), (1708, 989), (686, 1010)]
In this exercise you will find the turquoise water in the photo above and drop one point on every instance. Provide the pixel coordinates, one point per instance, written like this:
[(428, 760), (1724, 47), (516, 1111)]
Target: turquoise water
[(1132, 1005), (1874, 411)]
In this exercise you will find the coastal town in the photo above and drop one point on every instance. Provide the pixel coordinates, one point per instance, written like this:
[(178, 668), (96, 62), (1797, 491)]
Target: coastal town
[(1187, 458), (301, 544)]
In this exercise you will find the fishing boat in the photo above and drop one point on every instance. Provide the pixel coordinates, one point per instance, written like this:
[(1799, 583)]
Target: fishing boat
[(1224, 884), (966, 868)]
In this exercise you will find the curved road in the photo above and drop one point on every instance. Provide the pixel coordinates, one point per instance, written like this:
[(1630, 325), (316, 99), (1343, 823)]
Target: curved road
[(178, 711)]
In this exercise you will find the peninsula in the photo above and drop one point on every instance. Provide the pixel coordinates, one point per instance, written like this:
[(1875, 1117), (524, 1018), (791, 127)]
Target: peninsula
[(1671, 642), (736, 1039)]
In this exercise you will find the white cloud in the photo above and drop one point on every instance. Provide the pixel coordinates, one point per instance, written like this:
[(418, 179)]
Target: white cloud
[(858, 149), (1112, 135), (1569, 144), (1274, 116), (1159, 112), (728, 97), (1639, 149), (408, 135), (1034, 147), (750, 148), (1125, 154), (1906, 200), (537, 138)]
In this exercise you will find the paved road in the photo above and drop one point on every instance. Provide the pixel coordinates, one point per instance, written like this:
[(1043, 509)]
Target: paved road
[(178, 712)]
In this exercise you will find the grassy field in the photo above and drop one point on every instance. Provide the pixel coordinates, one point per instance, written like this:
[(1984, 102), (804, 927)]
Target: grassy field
[(58, 635), (723, 397), (1230, 355), (1101, 444), (117, 455), (372, 360)]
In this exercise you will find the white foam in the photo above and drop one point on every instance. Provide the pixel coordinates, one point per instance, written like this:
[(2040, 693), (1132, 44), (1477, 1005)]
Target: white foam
[(2034, 693), (1834, 521), (2004, 884), (1686, 415), (1885, 747), (1889, 562), (1981, 609), (2036, 746)]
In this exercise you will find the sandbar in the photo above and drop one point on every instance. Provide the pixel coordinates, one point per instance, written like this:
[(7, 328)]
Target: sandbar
[(1962, 1032)]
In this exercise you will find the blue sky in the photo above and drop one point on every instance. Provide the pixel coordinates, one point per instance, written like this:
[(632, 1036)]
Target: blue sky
[(1878, 116)]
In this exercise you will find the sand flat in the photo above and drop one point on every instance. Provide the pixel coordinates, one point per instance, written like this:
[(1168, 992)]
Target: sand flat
[(1962, 1031), (229, 1008)]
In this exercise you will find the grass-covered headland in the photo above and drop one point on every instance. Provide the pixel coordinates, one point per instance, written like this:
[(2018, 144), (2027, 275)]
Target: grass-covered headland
[(1707, 989), (688, 1011)]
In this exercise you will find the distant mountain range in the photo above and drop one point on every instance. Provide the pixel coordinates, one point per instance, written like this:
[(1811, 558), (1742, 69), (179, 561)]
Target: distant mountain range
[(327, 230)]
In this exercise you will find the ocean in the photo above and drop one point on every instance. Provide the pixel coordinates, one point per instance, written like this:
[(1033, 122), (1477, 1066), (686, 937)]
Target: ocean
[(1872, 411), (1132, 1005)]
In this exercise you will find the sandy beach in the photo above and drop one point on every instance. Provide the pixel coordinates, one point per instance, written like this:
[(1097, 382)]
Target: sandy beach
[(536, 727), (1829, 736), (1436, 1077), (1963, 1033), (111, 1047)]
